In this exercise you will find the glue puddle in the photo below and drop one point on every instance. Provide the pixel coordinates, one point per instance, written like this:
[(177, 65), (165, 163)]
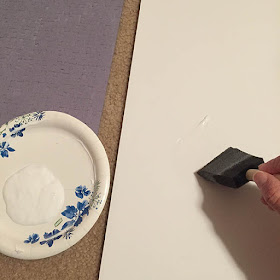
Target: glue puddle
[(33, 195)]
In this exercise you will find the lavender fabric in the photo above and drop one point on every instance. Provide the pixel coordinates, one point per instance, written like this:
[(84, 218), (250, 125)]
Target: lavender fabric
[(56, 55)]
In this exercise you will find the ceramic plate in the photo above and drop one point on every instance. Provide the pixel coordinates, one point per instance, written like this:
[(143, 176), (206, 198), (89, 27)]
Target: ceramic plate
[(74, 154)]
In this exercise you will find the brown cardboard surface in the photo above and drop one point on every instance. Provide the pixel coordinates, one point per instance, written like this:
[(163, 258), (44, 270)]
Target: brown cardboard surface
[(82, 261)]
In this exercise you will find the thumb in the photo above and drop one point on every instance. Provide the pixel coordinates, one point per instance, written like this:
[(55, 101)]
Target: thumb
[(270, 188)]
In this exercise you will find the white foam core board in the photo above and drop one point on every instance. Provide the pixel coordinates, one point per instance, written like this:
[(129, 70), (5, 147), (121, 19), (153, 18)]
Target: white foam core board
[(204, 77)]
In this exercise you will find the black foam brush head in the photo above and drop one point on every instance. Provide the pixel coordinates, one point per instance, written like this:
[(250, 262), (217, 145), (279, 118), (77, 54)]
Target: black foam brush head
[(230, 167)]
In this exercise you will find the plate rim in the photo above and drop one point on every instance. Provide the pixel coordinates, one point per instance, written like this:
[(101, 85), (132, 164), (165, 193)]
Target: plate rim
[(102, 170)]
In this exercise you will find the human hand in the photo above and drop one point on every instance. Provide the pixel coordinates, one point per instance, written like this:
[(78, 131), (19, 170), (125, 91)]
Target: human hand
[(268, 181)]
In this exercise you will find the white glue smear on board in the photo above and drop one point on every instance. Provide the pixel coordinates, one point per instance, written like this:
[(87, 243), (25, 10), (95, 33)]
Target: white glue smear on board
[(33, 195), (204, 121)]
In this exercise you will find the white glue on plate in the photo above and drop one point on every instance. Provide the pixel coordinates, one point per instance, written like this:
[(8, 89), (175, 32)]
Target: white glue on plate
[(33, 195)]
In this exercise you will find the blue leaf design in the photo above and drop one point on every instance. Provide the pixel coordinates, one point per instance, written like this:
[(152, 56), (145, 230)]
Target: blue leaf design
[(87, 192), (86, 211), (47, 235), (81, 205), (4, 153), (4, 135), (57, 237), (68, 224), (50, 242), (33, 238), (55, 231), (28, 240), (18, 133), (78, 192), (11, 129), (79, 188), (43, 242), (17, 125), (50, 234), (79, 220), (70, 212), (79, 195), (10, 149), (5, 149)]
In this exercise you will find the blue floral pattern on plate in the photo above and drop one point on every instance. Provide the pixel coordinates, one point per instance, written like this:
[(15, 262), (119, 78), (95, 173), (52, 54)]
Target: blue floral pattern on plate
[(32, 238), (85, 200), (74, 214), (38, 116), (5, 149), (82, 191), (16, 130)]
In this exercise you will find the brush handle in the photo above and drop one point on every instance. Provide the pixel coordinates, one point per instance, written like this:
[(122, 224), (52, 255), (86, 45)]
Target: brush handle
[(251, 172)]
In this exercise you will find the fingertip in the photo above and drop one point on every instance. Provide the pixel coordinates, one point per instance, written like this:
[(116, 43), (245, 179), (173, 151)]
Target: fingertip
[(262, 166), (260, 178), (270, 189)]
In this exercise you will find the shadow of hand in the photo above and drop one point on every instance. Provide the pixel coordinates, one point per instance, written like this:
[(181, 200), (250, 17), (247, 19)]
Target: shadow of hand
[(249, 231)]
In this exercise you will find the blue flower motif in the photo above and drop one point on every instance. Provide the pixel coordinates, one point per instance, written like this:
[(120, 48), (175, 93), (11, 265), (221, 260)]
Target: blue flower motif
[(51, 234), (17, 125), (33, 238), (79, 220), (82, 191), (70, 212), (50, 241), (68, 224), (57, 237), (86, 211), (74, 214), (5, 149), (81, 205), (38, 116), (18, 133)]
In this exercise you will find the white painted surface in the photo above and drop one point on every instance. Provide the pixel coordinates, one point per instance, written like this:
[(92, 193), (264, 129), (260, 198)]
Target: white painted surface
[(205, 76)]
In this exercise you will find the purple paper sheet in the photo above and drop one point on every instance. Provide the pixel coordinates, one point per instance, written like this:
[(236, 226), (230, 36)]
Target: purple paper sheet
[(56, 55)]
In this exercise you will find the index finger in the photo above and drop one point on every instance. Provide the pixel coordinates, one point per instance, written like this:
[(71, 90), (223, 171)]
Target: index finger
[(272, 166), (270, 189)]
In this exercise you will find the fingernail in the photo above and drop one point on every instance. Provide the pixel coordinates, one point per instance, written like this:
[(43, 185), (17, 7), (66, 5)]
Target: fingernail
[(260, 178)]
